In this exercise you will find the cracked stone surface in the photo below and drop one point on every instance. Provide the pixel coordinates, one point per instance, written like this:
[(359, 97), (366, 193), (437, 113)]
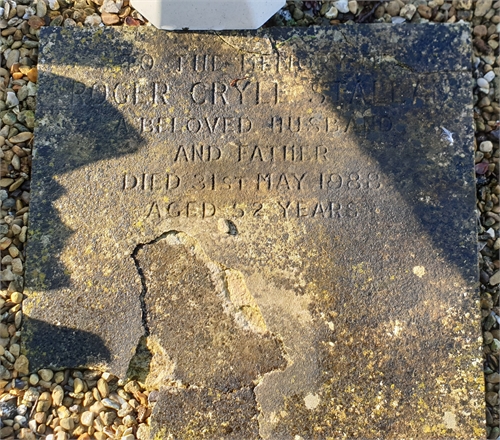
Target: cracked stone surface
[(191, 317), (205, 329), (275, 230)]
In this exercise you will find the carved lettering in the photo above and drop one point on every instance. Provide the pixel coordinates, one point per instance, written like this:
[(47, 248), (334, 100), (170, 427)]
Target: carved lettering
[(197, 153), (188, 209), (266, 93), (180, 64), (219, 93), (206, 125), (246, 93), (214, 182), (205, 63), (99, 93), (280, 182), (257, 63), (212, 125), (150, 182), (132, 93), (283, 153), (154, 125), (349, 181), (361, 123), (241, 87), (199, 93), (160, 93), (120, 95), (317, 210)]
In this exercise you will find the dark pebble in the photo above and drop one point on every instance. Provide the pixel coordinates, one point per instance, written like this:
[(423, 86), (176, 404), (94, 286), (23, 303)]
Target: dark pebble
[(484, 277), (8, 203), (481, 167), (8, 409), (19, 384), (495, 133), (489, 321), (482, 46)]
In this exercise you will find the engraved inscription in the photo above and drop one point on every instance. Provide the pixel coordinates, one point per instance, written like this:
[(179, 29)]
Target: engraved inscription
[(206, 125), (280, 182), (355, 122), (310, 209), (350, 181), (132, 93), (243, 93), (221, 157), (260, 182), (197, 153), (284, 153), (288, 209)]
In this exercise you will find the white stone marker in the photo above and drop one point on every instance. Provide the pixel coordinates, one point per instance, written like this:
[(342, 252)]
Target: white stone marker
[(207, 14)]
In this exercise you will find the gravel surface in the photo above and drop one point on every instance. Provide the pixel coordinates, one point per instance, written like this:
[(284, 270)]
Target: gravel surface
[(84, 404)]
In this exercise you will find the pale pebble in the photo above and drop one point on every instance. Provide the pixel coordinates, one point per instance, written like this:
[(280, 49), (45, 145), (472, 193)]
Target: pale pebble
[(31, 395), (22, 365), (482, 83), (408, 11), (486, 146), (78, 386), (54, 5), (21, 420), (16, 297), (342, 6), (93, 20), (46, 374), (11, 100), (495, 278), (103, 387), (129, 420), (32, 88), (482, 7), (112, 6), (7, 275), (17, 266), (62, 435), (332, 13), (15, 349), (59, 377), (108, 403), (490, 76), (41, 8), (67, 423), (57, 395), (87, 418)]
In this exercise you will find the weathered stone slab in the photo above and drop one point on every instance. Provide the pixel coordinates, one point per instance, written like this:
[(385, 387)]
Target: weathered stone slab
[(276, 229)]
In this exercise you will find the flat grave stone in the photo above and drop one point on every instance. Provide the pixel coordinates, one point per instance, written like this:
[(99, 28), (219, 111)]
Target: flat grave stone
[(273, 229)]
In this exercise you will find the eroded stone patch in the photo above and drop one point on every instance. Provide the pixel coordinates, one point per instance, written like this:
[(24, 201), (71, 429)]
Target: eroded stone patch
[(205, 332)]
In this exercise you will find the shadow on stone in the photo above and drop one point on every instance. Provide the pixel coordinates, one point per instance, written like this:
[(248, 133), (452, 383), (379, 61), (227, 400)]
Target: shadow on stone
[(56, 346), (98, 132), (383, 104), (76, 126)]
